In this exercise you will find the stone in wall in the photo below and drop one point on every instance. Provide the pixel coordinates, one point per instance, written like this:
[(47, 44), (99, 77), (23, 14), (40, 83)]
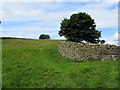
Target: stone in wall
[(85, 52)]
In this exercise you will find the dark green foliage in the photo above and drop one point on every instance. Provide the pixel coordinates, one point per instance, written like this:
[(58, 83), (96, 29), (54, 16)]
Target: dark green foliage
[(43, 36), (80, 27), (102, 41)]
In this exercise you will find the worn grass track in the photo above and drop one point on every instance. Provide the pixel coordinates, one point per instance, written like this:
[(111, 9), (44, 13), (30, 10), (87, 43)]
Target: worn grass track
[(37, 64)]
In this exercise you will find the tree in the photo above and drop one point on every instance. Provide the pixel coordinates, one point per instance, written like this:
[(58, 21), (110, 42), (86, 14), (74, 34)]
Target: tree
[(80, 27), (43, 36), (102, 41)]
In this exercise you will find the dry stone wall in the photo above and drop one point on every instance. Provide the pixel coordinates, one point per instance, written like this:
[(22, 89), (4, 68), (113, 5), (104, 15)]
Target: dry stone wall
[(85, 52)]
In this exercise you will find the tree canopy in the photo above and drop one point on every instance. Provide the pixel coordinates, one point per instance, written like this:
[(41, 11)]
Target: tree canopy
[(80, 27), (43, 36)]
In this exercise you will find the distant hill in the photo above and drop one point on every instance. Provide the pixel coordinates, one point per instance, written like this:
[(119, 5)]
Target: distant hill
[(12, 38), (26, 38)]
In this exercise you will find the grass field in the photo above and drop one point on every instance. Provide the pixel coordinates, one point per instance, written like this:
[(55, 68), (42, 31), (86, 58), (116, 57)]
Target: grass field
[(37, 64)]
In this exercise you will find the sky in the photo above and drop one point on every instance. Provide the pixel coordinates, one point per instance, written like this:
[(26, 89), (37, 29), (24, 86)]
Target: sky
[(30, 19)]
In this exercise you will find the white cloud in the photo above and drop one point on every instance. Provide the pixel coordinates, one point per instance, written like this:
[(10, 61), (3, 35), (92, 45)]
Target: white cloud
[(28, 29), (104, 17), (109, 0), (29, 32), (59, 0), (32, 11), (49, 1), (1, 11), (113, 40), (115, 36)]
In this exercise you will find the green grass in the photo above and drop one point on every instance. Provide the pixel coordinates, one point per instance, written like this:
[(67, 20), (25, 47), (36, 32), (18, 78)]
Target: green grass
[(37, 64)]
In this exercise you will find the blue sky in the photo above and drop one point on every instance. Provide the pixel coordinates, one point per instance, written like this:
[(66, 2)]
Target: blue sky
[(30, 19)]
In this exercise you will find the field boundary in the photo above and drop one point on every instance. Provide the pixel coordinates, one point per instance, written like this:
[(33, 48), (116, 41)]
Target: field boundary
[(85, 52)]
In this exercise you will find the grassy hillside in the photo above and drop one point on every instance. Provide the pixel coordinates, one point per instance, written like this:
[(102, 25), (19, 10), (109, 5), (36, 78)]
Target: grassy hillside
[(37, 64)]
